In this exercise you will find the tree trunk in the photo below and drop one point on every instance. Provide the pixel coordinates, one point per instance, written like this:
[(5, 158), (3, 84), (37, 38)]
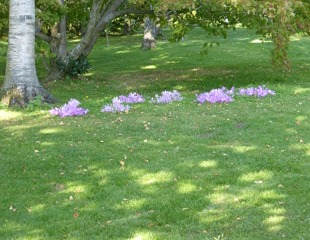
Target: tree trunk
[(150, 32), (21, 83), (101, 13), (127, 27), (58, 46)]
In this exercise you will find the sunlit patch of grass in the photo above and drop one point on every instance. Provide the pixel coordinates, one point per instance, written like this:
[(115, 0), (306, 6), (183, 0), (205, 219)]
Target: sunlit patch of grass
[(9, 115), (302, 90), (149, 67), (260, 41), (159, 177), (50, 130), (208, 164), (258, 177)]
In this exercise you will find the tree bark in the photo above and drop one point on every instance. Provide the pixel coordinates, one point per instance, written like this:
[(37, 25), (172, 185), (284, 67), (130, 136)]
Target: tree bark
[(21, 83), (100, 15), (99, 18), (150, 32), (58, 46)]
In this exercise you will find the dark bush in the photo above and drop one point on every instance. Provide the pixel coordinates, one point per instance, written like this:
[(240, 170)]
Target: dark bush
[(73, 68)]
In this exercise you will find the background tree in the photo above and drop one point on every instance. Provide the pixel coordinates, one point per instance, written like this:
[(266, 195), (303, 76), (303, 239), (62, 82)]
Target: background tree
[(277, 19), (21, 83), (97, 15), (150, 33)]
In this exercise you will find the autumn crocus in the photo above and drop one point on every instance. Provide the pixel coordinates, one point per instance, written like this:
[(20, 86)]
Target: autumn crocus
[(116, 106), (259, 91), (220, 95), (69, 109), (132, 98), (167, 97)]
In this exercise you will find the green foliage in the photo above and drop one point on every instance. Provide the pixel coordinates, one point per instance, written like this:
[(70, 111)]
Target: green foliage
[(37, 104), (278, 19), (207, 46), (3, 49), (73, 67), (4, 19), (77, 16), (48, 13), (43, 48), (179, 32), (133, 24)]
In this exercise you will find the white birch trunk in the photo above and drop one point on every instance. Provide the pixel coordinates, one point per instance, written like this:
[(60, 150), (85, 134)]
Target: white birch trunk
[(21, 83)]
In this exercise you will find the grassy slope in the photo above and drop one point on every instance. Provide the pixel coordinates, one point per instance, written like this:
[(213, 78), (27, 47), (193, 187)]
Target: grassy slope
[(235, 171)]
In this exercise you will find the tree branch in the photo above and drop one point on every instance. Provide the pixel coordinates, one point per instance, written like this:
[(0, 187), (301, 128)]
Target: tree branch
[(43, 37), (133, 11), (105, 7), (109, 17), (96, 25)]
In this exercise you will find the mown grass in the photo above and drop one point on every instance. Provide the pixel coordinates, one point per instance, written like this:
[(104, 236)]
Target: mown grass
[(176, 171)]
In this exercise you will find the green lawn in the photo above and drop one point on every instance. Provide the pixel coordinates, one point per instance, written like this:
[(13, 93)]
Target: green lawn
[(174, 171)]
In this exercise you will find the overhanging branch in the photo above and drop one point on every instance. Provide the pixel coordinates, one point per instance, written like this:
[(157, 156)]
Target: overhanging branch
[(109, 17)]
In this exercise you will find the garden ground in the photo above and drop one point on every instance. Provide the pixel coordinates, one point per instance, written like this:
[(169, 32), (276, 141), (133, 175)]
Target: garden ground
[(164, 171)]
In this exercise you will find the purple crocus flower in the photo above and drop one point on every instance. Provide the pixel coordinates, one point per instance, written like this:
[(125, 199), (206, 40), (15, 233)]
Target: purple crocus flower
[(116, 106), (220, 95), (69, 109), (132, 98), (167, 97), (259, 91)]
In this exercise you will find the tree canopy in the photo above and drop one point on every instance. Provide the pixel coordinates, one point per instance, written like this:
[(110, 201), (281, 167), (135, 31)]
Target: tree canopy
[(278, 19)]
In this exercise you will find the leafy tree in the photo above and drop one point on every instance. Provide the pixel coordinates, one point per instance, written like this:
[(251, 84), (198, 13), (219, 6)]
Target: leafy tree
[(278, 19), (95, 16)]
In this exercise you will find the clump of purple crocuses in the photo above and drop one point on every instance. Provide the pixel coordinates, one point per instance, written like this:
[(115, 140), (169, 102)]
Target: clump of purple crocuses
[(220, 95), (132, 98), (259, 91), (69, 109), (116, 106), (167, 97)]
